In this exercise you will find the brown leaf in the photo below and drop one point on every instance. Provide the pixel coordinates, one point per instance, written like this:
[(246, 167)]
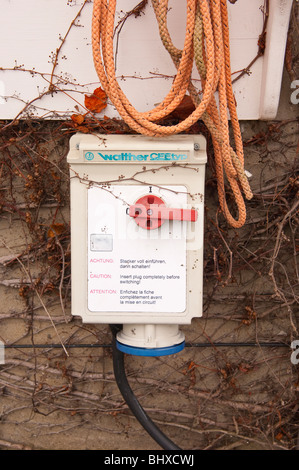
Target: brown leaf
[(245, 368), (83, 129), (56, 229), (77, 118), (97, 101)]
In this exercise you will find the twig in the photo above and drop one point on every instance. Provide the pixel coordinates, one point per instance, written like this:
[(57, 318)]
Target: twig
[(62, 273), (57, 52), (278, 291), (39, 297), (229, 276), (261, 43), (13, 445), (136, 11)]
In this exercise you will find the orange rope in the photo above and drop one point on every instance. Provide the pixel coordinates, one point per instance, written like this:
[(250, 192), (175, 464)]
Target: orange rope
[(206, 44)]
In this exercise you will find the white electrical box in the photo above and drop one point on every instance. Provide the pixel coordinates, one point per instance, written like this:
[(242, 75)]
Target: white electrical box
[(137, 214)]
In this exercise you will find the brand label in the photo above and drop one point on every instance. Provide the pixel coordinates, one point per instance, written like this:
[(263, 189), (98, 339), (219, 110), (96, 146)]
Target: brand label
[(131, 157), (89, 156)]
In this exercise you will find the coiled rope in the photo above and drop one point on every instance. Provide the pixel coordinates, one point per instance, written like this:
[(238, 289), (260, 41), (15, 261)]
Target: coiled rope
[(207, 45)]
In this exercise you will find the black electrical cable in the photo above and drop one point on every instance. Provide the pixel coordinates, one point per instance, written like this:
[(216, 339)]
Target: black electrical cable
[(57, 346), (123, 384), (109, 345), (131, 400)]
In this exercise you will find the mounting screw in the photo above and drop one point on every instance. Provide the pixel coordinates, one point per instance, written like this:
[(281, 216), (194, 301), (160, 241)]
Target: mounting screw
[(196, 147)]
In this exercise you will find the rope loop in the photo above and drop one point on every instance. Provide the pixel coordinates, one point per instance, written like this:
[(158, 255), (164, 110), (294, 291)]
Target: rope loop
[(207, 46)]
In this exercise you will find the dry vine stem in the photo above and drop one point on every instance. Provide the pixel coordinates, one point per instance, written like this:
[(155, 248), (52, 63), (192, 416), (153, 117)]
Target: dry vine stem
[(30, 280), (229, 396), (206, 43)]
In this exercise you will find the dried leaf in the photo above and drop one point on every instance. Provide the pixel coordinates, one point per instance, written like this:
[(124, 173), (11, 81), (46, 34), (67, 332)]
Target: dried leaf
[(83, 129), (192, 365), (97, 101), (56, 229), (55, 176), (77, 118), (245, 368)]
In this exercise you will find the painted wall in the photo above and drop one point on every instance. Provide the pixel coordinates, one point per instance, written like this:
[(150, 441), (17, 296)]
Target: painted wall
[(33, 30)]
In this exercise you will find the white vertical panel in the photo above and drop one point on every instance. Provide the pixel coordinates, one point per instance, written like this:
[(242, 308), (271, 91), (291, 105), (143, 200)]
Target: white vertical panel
[(31, 31)]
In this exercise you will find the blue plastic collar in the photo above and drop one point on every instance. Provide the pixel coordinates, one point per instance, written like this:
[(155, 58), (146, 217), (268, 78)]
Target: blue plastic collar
[(152, 352)]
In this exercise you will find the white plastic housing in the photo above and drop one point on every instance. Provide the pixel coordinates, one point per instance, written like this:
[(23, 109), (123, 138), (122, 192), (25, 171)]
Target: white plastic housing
[(150, 336), (121, 272)]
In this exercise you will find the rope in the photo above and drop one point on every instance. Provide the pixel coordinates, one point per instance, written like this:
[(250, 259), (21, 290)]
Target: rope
[(207, 46)]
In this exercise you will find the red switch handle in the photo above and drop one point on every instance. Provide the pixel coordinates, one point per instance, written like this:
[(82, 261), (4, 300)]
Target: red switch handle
[(150, 212)]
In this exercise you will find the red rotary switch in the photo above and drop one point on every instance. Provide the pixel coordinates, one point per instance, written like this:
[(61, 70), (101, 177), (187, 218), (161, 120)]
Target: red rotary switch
[(150, 212)]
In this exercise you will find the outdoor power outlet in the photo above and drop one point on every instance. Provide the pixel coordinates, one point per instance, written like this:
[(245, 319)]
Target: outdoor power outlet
[(137, 217)]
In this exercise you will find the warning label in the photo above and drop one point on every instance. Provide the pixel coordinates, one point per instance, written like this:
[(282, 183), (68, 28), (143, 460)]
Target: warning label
[(138, 287), (132, 274), (139, 297), (138, 278), (140, 264)]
